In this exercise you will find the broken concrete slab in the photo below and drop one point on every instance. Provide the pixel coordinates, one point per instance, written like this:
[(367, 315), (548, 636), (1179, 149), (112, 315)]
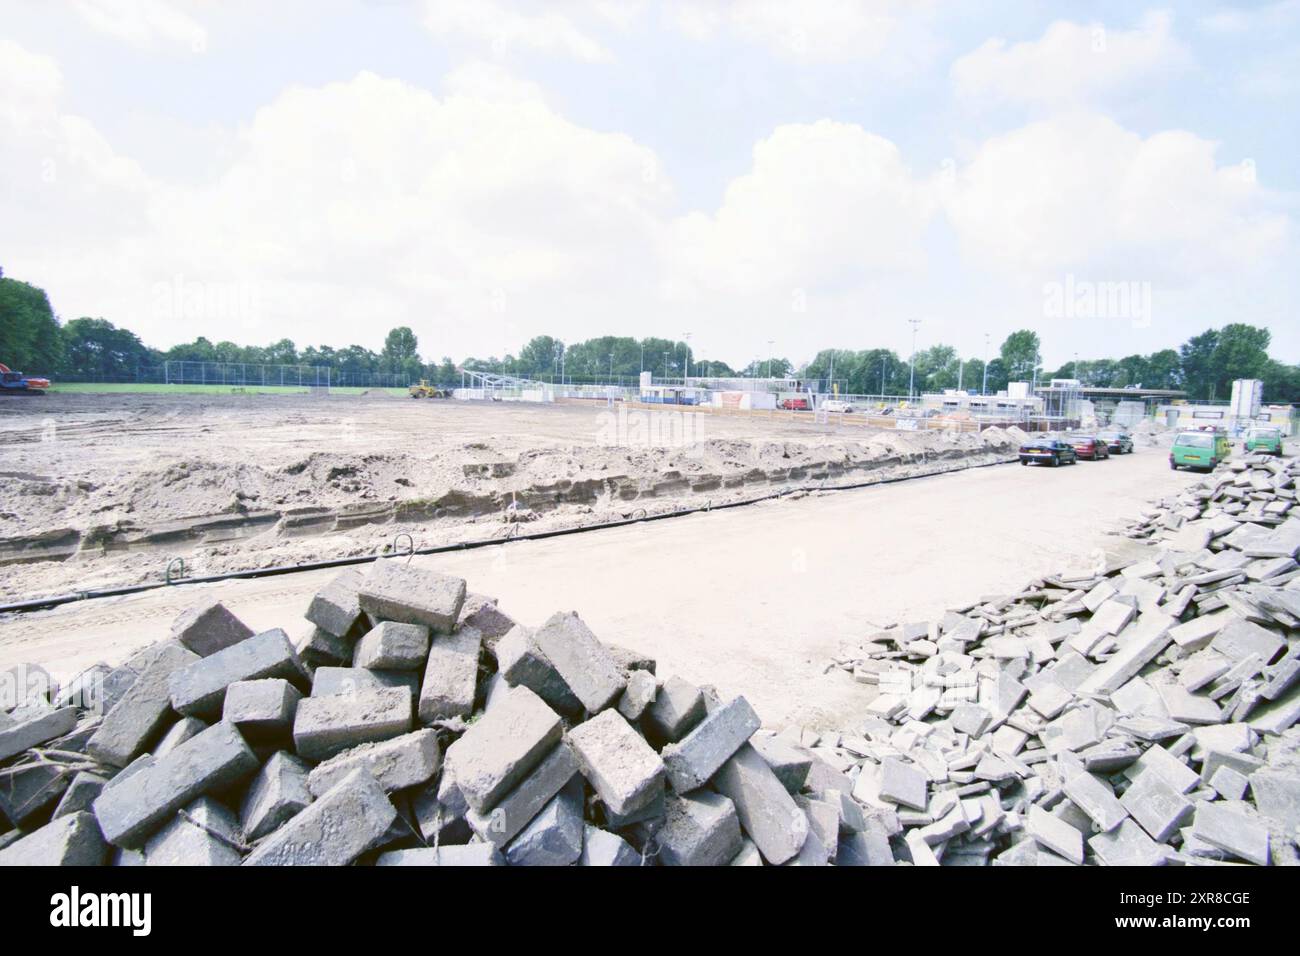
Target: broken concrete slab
[(641, 690), (583, 663), (72, 840), (207, 627), (395, 591), (277, 793), (677, 708), (1158, 807), (336, 608), (503, 747), (602, 848), (622, 768), (130, 810), (517, 808), (325, 726), (332, 831), (204, 833), (470, 854), (390, 645), (699, 829), (199, 689), (696, 757), (263, 709), (138, 718), (451, 676), (523, 664), (397, 763), (36, 730), (1232, 832), (554, 836), (767, 812)]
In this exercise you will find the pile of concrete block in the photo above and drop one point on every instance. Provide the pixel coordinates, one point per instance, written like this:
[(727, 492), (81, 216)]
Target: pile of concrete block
[(413, 724), (1142, 714)]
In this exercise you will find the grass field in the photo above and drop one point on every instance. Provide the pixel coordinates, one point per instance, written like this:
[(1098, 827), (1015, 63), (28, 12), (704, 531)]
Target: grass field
[(178, 389)]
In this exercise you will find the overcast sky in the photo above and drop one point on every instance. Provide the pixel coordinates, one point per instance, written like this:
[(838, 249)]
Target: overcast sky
[(812, 174)]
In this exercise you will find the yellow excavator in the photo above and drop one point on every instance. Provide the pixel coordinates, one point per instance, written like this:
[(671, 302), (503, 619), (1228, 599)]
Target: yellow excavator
[(425, 390)]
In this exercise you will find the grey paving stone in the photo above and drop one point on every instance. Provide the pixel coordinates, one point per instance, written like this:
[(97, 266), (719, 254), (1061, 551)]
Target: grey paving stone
[(332, 831)]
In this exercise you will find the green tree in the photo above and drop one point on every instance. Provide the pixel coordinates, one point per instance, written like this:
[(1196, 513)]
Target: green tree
[(1019, 354), (97, 350), (29, 333), (1197, 360), (1241, 352)]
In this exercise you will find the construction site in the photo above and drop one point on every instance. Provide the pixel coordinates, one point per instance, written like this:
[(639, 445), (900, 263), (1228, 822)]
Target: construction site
[(664, 436), (601, 630)]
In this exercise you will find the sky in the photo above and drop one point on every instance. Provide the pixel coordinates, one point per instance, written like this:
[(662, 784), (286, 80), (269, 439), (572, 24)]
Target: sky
[(816, 174)]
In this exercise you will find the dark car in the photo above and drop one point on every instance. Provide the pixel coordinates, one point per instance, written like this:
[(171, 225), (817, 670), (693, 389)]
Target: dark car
[(1090, 447), (1048, 451), (1118, 442)]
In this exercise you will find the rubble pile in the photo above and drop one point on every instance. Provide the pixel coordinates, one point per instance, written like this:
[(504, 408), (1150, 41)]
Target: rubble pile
[(1140, 715), (416, 724)]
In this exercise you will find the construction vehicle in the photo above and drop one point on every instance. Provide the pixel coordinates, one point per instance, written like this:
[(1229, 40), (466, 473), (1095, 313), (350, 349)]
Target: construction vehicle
[(425, 390), (16, 383)]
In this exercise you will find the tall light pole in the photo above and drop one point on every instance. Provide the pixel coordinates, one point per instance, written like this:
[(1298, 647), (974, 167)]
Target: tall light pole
[(770, 343), (687, 337), (911, 363), (643, 355), (665, 366), (882, 377), (984, 389), (832, 372), (611, 368)]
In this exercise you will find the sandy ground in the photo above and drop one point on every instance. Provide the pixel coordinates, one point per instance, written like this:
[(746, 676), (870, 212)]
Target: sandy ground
[(753, 600), (104, 490)]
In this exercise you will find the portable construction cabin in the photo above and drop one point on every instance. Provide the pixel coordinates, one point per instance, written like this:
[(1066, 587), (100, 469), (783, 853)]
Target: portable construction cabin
[(672, 395)]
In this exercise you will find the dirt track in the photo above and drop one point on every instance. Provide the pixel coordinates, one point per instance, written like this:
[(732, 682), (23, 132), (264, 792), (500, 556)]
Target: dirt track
[(104, 490), (753, 600)]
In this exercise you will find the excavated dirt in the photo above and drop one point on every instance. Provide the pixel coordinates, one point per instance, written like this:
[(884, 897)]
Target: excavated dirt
[(104, 490)]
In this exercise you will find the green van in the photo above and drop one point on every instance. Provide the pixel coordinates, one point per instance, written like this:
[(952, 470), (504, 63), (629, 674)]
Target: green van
[(1199, 449), (1261, 438)]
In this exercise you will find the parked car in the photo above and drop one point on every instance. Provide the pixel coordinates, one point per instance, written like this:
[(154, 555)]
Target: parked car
[(1263, 439), (1119, 442), (1048, 451), (836, 405), (1090, 447), (1200, 449), (795, 404)]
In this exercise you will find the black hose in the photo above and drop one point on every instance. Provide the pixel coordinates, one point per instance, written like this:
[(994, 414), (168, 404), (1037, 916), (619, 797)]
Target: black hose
[(45, 603)]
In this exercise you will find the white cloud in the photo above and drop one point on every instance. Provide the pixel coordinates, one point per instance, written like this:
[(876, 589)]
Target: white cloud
[(480, 216), (823, 204), (487, 23), (814, 31), (1079, 193), (347, 209), (144, 23), (1070, 62)]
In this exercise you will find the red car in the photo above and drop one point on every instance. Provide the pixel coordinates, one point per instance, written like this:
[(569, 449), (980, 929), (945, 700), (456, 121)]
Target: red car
[(1090, 447), (795, 404)]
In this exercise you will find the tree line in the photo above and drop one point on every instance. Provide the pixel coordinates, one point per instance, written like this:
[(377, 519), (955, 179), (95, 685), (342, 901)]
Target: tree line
[(32, 339)]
